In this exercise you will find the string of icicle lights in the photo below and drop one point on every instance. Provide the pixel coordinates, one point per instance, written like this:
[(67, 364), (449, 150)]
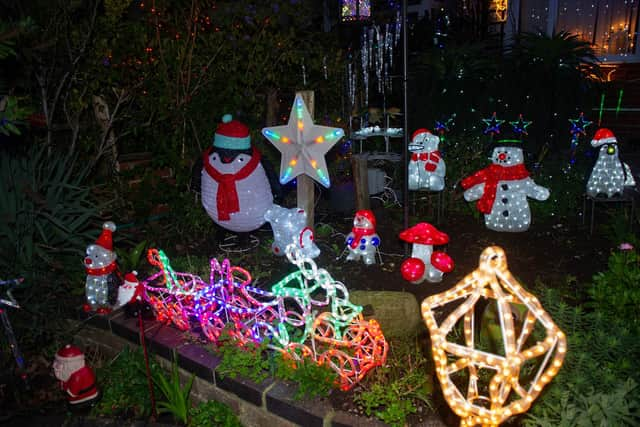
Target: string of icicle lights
[(307, 315)]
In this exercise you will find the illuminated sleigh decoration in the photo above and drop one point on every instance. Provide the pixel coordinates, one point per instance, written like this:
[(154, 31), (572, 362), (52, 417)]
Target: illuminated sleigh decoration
[(228, 298), (523, 366), (339, 338), (171, 294), (292, 318)]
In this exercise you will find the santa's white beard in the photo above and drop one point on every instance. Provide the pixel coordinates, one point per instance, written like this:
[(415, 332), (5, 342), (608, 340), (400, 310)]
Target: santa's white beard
[(63, 369)]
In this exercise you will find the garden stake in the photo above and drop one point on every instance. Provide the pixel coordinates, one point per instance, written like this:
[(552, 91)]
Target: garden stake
[(146, 365)]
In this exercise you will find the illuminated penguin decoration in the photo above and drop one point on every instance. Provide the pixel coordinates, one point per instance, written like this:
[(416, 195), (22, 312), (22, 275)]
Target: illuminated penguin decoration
[(234, 186), (609, 175)]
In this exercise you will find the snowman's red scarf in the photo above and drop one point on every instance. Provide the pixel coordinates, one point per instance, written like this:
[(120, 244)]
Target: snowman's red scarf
[(358, 233), (227, 196), (102, 270), (490, 176)]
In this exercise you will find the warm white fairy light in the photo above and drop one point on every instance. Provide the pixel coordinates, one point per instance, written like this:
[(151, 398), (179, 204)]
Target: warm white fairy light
[(506, 396)]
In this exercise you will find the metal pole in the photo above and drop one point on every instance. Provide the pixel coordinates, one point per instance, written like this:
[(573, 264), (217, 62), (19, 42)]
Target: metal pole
[(405, 189)]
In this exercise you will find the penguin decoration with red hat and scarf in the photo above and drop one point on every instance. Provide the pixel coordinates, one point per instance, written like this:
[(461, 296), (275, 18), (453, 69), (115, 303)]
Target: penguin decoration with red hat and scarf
[(502, 188), (235, 188)]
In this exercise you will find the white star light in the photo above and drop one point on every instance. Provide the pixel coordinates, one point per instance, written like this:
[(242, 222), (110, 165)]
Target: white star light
[(303, 145)]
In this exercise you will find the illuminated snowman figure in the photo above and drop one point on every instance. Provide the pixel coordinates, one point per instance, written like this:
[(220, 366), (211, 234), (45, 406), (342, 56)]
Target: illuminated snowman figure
[(290, 226), (609, 175), (103, 278), (363, 242), (501, 190), (426, 167), (235, 189)]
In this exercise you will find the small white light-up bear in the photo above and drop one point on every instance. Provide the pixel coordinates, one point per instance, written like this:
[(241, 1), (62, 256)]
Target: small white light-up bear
[(609, 175), (290, 226), (426, 167), (103, 278), (501, 190)]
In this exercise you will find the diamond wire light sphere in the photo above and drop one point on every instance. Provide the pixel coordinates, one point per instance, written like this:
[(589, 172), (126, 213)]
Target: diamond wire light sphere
[(527, 363)]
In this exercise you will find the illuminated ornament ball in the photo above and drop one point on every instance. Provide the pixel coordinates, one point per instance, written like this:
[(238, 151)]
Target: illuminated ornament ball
[(485, 387), (610, 175), (501, 190), (303, 145)]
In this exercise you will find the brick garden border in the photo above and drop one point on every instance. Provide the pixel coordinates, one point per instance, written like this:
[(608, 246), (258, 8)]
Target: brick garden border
[(266, 403)]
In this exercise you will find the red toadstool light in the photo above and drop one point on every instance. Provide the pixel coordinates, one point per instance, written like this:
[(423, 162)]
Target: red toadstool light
[(412, 269), (442, 262), (425, 234)]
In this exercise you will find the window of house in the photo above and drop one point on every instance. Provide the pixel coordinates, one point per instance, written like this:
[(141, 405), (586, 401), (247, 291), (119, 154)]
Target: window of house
[(609, 25)]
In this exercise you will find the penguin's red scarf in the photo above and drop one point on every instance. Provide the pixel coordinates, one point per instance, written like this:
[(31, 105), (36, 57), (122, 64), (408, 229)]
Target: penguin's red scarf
[(227, 196), (490, 176)]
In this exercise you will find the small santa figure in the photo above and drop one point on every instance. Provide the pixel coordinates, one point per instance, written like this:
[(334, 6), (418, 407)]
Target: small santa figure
[(76, 379), (610, 175), (131, 290), (363, 240), (131, 295), (103, 277)]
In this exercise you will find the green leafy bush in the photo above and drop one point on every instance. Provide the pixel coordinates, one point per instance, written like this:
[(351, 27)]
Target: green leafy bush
[(46, 210), (594, 386), (393, 391), (617, 290), (125, 387), (313, 380), (212, 414), (176, 397), (46, 213), (249, 361)]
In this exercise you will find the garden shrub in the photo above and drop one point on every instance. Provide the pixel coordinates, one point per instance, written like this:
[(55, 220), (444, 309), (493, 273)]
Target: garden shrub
[(212, 414), (393, 391), (46, 212), (124, 386), (600, 370)]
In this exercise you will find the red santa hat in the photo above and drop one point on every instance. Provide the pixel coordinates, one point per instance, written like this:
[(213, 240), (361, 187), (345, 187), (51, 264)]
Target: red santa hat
[(69, 353), (420, 132), (105, 239), (368, 215), (603, 136)]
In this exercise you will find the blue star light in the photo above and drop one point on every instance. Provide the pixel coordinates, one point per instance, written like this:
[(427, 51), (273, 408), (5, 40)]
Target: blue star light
[(493, 125), (520, 126), (578, 125)]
